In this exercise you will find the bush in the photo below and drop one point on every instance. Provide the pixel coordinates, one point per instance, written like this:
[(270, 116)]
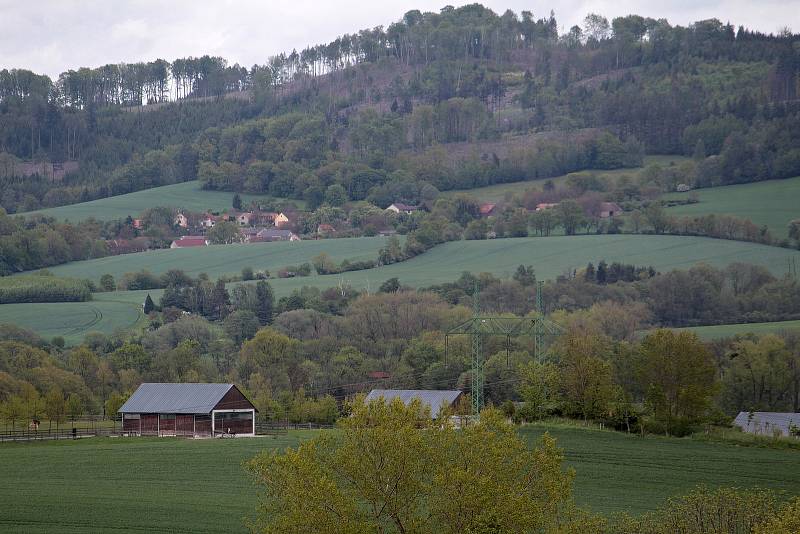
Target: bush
[(43, 289)]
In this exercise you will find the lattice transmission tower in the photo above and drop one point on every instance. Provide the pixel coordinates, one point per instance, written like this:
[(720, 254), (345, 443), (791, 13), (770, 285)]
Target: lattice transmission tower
[(479, 326)]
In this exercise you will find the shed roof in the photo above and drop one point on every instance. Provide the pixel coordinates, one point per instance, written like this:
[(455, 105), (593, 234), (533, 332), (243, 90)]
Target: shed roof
[(434, 399), (175, 398), (766, 422)]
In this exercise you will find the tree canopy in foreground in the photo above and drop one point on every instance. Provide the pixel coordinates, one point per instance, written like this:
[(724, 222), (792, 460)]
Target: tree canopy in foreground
[(391, 468)]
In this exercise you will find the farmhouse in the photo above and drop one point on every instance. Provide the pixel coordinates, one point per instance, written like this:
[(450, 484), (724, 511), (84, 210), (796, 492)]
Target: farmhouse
[(274, 234), (609, 209), (181, 220), (188, 410), (487, 209), (399, 207), (282, 219), (768, 423), (546, 206), (189, 241), (433, 399)]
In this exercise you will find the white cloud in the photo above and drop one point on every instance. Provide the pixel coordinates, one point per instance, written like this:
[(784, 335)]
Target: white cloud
[(51, 36)]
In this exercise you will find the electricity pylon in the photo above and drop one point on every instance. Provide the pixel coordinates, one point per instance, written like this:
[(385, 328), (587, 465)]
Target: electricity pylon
[(479, 326)]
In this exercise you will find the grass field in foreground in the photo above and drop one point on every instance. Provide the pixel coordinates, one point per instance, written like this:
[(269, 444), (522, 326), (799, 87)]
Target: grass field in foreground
[(170, 485), (498, 192), (708, 333), (772, 203), (549, 256), (186, 195)]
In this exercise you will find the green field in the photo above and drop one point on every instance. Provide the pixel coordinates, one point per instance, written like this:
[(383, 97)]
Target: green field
[(186, 195), (107, 313), (499, 192), (217, 260), (709, 333), (171, 485), (550, 257), (772, 203)]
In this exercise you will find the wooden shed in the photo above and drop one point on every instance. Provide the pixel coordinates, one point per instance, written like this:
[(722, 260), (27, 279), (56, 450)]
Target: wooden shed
[(188, 410)]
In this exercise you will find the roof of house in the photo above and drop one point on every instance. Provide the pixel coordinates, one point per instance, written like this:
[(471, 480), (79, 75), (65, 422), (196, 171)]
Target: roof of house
[(609, 206), (325, 228), (275, 232), (190, 241), (487, 208), (434, 399), (404, 207), (175, 398), (764, 422)]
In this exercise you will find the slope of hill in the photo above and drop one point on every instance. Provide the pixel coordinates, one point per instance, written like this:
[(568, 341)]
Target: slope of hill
[(498, 192), (772, 203), (549, 256), (186, 195)]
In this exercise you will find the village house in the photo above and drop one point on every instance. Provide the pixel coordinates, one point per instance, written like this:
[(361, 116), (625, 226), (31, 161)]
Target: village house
[(208, 220), (399, 207), (187, 241), (263, 218), (243, 218), (181, 220), (487, 209), (274, 234), (137, 223), (325, 229), (609, 209), (281, 220), (546, 206)]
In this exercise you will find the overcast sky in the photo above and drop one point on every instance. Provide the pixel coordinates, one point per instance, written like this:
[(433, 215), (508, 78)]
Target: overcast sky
[(51, 36)]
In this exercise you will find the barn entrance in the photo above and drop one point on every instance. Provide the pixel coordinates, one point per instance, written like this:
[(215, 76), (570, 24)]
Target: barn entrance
[(233, 422)]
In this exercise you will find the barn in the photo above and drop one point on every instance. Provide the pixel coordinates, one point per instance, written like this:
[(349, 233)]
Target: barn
[(768, 423), (188, 410)]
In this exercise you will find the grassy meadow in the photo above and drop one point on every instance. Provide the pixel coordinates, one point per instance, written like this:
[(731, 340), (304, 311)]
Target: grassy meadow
[(173, 485), (550, 257), (772, 203), (709, 333), (186, 195), (499, 192), (217, 260)]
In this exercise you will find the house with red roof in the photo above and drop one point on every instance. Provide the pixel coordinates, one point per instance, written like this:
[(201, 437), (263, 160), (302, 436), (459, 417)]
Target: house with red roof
[(188, 241), (487, 209)]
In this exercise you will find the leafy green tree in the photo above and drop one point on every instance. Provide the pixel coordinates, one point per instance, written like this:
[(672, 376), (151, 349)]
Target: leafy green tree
[(335, 195), (236, 202), (265, 302), (148, 305), (107, 283), (74, 407), (679, 373), (54, 406), (391, 468), (392, 285), (241, 325), (224, 233), (13, 410), (570, 216), (113, 404)]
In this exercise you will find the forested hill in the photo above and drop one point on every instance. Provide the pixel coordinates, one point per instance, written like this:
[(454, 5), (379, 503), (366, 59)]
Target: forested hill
[(455, 99)]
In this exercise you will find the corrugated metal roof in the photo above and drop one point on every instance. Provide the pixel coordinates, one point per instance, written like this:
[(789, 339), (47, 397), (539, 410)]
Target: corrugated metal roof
[(435, 399), (175, 398), (766, 422)]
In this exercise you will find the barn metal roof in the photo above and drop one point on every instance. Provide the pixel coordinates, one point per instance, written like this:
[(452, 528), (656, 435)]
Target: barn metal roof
[(175, 398), (766, 422), (434, 399)]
